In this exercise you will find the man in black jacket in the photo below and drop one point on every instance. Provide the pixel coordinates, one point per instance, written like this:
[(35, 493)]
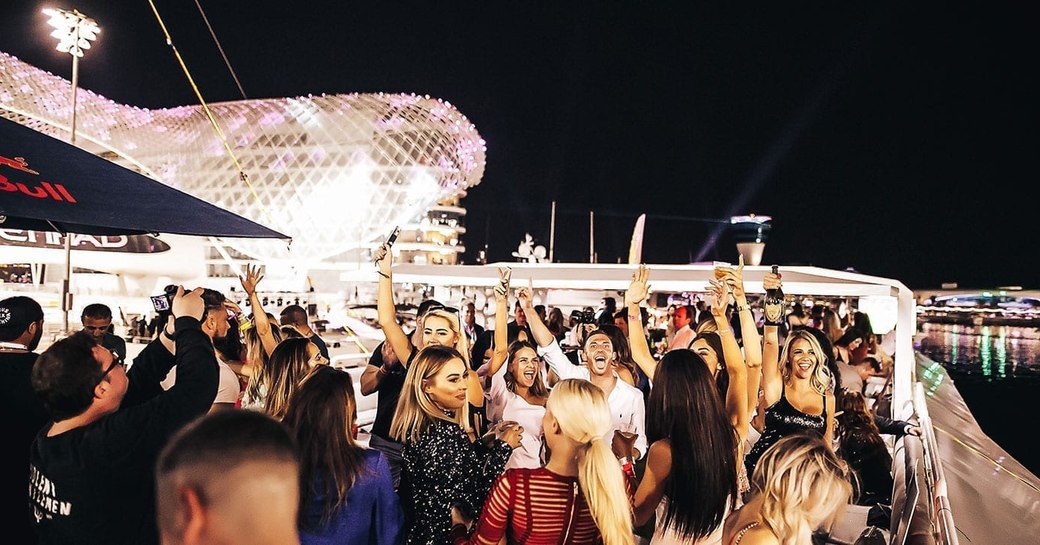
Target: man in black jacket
[(92, 469), (21, 328)]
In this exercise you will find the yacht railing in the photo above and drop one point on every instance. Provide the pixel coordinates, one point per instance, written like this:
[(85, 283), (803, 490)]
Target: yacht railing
[(943, 527)]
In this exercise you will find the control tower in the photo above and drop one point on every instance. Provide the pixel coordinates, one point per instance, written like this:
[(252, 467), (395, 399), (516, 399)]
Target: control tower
[(750, 233)]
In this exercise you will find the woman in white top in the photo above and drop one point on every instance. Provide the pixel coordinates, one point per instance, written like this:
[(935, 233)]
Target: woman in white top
[(518, 392)]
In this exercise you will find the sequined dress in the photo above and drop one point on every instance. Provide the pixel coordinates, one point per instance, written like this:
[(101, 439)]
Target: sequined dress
[(443, 468), (782, 419)]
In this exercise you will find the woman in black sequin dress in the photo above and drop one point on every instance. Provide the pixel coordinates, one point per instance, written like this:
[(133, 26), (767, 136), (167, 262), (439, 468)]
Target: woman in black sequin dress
[(796, 388), (442, 467)]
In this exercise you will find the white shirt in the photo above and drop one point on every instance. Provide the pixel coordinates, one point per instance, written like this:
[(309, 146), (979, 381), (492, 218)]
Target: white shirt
[(506, 405), (627, 409), (682, 338), (228, 388)]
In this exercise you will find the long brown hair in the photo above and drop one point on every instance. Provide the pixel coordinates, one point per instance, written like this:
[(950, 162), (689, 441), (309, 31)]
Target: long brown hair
[(321, 415), (538, 388)]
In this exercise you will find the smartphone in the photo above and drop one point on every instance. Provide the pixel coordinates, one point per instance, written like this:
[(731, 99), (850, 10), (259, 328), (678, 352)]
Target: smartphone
[(160, 303), (393, 236)]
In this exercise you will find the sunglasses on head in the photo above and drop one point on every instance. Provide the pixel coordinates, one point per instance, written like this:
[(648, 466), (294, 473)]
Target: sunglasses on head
[(432, 308)]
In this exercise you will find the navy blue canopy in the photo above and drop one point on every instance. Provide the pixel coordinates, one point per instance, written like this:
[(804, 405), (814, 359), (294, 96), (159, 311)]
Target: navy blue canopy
[(49, 185)]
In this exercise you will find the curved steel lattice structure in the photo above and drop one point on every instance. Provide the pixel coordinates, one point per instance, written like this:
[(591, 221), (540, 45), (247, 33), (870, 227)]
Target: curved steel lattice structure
[(335, 172)]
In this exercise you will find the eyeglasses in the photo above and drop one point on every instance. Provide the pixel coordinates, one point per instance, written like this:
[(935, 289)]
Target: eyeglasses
[(116, 361)]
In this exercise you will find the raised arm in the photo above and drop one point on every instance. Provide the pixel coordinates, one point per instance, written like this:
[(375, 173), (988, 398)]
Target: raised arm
[(772, 382), (634, 296), (501, 350), (736, 393), (748, 332), (261, 321), (541, 333), (386, 308)]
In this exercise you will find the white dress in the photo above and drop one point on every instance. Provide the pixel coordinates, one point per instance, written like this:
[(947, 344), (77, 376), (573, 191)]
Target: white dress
[(506, 405), (668, 536)]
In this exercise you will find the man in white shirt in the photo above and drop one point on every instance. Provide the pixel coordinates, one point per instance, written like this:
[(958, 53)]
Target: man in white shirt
[(683, 320), (625, 401)]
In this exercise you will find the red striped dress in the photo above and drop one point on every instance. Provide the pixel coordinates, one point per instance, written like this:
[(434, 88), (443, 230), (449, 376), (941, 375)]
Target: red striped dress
[(533, 507)]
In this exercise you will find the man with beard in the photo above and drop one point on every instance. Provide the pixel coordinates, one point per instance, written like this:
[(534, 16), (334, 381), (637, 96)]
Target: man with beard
[(97, 320), (625, 401), (21, 327), (216, 326)]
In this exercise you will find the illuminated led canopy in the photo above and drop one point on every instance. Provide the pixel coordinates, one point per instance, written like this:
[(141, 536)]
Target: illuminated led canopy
[(335, 172)]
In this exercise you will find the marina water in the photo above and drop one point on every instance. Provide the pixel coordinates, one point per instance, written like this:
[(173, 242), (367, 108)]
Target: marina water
[(996, 369)]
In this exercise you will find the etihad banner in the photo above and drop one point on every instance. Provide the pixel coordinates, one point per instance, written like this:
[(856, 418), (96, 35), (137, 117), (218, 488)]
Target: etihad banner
[(130, 244)]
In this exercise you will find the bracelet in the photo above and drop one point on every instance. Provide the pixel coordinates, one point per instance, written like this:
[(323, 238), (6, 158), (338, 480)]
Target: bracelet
[(384, 275), (743, 308), (634, 317), (168, 335)]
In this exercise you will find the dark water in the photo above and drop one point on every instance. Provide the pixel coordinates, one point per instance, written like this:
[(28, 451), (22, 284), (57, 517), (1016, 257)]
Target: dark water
[(997, 371)]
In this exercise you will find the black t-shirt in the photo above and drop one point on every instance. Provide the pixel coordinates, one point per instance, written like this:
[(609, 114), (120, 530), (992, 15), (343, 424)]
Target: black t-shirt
[(95, 484), (389, 390), (322, 347), (26, 415)]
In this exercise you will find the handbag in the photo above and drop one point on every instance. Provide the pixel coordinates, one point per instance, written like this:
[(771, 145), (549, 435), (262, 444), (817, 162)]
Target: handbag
[(871, 535)]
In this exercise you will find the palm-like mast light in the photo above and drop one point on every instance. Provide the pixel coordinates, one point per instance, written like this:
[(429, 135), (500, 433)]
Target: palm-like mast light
[(73, 30)]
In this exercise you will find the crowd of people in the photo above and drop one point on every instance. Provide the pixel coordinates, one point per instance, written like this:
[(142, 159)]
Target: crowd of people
[(232, 427)]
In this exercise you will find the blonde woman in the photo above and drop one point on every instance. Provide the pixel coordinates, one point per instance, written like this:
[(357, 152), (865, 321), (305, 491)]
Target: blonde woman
[(796, 388), (578, 497), (798, 484), (439, 326), (260, 340), (442, 467)]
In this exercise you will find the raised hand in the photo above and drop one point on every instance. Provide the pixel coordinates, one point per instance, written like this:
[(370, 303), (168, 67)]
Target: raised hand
[(502, 289), (188, 304), (719, 289), (232, 306), (384, 259), (638, 289), (251, 279), (771, 281), (526, 295)]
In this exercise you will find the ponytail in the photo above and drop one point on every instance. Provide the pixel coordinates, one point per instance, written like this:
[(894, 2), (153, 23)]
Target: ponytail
[(581, 410), (604, 487)]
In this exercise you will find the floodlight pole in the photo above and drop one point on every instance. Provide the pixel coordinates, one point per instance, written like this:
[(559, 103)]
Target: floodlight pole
[(74, 31), (66, 292)]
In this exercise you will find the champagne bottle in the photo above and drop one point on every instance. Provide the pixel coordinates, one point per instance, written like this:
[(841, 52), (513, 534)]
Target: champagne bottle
[(773, 304)]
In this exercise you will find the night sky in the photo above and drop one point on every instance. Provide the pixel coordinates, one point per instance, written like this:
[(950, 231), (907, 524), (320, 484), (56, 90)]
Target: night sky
[(898, 139)]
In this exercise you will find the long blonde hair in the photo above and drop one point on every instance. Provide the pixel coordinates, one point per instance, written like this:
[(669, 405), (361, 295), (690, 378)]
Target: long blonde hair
[(820, 379), (802, 484), (257, 357), (288, 366), (580, 408), (415, 411)]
